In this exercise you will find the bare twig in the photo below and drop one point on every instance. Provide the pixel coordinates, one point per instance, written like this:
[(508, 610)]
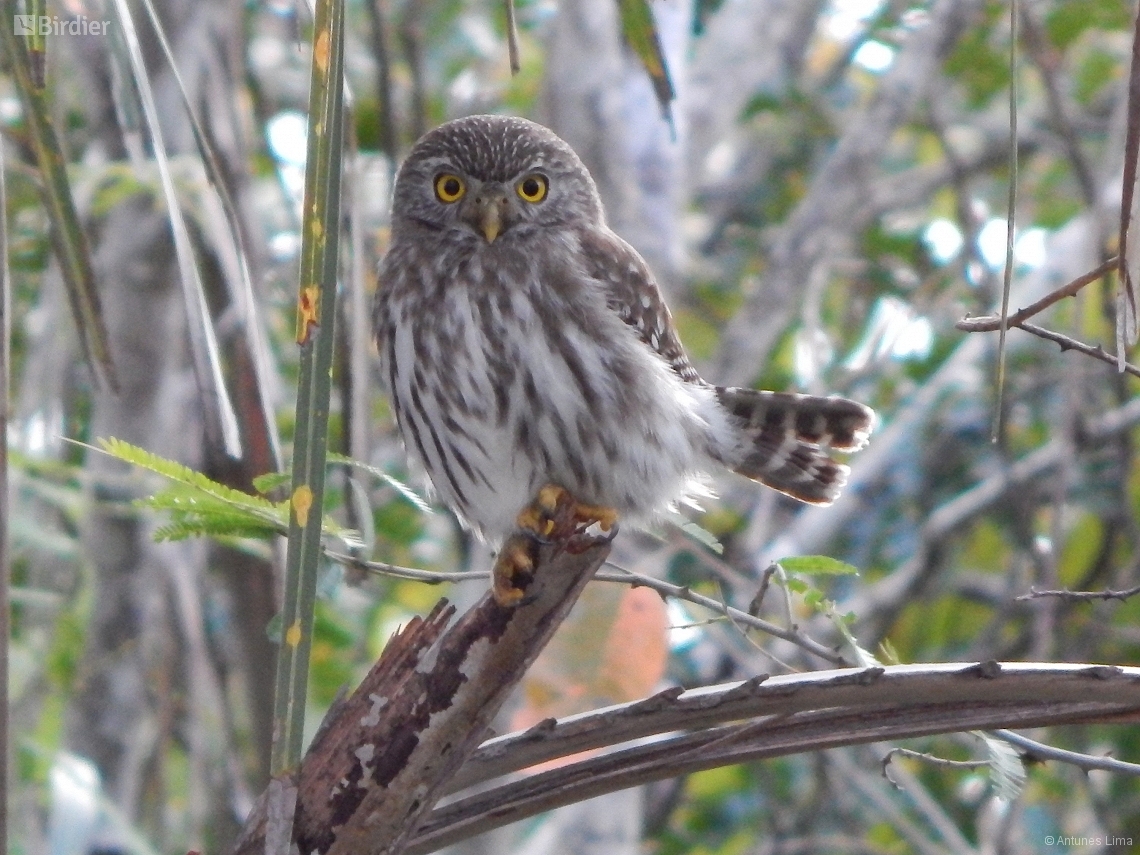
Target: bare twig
[(1067, 343), (1010, 222), (622, 576), (1040, 752), (1081, 596), (379, 568), (922, 824), (927, 758), (683, 592), (991, 323)]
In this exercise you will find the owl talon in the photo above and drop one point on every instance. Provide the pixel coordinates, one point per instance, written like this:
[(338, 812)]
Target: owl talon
[(540, 518), (587, 515), (580, 541), (514, 570), (556, 514), (553, 517)]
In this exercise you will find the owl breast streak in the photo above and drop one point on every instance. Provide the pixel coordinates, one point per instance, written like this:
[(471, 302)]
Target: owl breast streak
[(501, 389)]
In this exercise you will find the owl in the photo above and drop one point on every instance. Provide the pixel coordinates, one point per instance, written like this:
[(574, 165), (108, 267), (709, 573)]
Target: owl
[(527, 351)]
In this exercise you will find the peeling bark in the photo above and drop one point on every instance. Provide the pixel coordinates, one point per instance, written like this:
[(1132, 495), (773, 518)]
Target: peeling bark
[(384, 754)]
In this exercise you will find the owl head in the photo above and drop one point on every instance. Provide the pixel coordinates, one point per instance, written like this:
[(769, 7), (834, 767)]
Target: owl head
[(492, 178)]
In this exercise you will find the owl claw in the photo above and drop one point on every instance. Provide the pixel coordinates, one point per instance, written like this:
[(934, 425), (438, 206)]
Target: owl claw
[(553, 517), (514, 570), (581, 541), (540, 518)]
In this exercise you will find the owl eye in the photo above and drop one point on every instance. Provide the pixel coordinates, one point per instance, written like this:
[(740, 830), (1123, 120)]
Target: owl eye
[(449, 188), (532, 188)]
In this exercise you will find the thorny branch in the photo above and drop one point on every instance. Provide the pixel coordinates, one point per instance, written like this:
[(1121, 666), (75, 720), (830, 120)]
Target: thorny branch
[(1078, 596), (926, 757), (991, 323), (1067, 343), (1019, 319), (1040, 752), (625, 577)]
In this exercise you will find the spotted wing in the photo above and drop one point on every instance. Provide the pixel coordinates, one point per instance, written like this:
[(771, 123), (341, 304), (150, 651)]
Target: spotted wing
[(633, 294)]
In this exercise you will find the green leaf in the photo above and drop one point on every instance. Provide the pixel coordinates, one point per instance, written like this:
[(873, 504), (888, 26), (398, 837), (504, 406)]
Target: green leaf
[(201, 507), (270, 481), (703, 536), (640, 32), (887, 653), (257, 506), (817, 565), (798, 586), (864, 657)]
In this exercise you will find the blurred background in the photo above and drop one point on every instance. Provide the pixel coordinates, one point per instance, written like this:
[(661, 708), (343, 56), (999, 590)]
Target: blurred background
[(826, 197)]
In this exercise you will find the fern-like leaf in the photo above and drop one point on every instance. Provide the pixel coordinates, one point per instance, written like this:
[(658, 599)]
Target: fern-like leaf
[(199, 506)]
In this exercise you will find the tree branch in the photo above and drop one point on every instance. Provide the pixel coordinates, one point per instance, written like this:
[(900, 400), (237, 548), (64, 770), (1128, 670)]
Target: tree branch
[(1041, 753), (1067, 343), (992, 323), (1074, 596), (382, 756), (622, 576), (781, 715)]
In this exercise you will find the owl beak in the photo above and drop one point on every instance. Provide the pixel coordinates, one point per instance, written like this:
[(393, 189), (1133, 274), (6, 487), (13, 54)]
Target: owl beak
[(488, 214), (490, 221)]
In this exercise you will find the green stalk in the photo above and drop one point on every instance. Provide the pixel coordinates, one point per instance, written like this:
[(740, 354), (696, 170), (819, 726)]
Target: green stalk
[(67, 234), (315, 313)]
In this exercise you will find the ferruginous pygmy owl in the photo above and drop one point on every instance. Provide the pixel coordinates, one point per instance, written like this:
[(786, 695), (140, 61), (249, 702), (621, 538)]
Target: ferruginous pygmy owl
[(525, 344)]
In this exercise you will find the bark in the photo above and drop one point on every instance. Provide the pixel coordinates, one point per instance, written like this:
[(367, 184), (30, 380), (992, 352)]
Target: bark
[(383, 756)]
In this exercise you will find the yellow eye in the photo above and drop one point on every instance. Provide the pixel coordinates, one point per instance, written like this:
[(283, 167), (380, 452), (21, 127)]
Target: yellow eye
[(449, 188), (532, 188)]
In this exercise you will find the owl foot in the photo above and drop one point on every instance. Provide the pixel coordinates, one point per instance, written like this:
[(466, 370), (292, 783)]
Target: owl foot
[(514, 570), (554, 516), (554, 512)]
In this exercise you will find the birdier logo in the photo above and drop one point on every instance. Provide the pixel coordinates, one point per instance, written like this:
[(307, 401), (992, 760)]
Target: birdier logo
[(52, 25)]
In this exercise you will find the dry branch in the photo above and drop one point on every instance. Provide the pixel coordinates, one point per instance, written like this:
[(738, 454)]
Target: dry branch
[(1082, 596), (676, 733), (992, 323), (383, 755)]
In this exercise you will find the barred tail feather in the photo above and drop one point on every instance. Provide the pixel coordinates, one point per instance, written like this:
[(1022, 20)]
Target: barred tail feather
[(788, 437)]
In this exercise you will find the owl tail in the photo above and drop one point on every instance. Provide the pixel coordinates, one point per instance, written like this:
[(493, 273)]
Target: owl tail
[(787, 439)]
